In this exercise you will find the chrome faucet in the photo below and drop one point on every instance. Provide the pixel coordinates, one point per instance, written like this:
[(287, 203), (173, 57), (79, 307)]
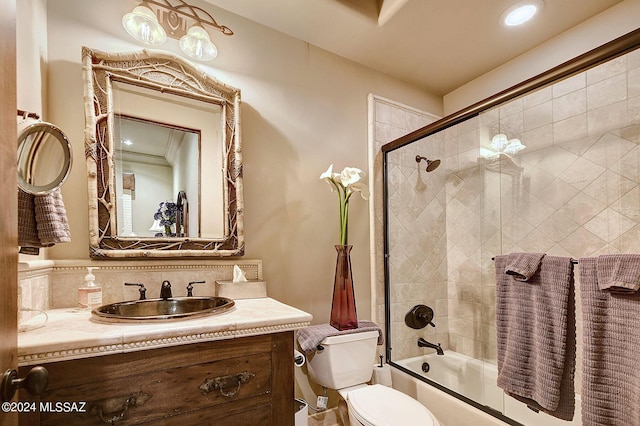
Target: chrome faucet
[(165, 291), (424, 344)]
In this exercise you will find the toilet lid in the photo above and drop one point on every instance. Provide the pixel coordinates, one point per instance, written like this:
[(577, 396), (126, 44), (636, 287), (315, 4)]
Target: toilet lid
[(379, 405)]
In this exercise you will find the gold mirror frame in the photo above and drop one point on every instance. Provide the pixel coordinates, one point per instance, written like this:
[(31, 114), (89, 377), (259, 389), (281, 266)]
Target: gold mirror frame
[(166, 73)]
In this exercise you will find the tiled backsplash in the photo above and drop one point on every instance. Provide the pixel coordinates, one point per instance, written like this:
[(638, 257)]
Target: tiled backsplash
[(54, 284)]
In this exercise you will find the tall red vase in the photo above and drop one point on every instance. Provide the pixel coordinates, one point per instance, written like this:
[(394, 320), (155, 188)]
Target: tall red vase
[(343, 308)]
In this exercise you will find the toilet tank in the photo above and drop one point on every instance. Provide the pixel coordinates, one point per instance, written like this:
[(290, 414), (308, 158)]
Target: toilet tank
[(345, 360)]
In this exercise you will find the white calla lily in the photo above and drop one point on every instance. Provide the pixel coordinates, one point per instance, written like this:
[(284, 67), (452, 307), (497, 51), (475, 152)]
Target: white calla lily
[(328, 174), (328, 177), (362, 189), (346, 183), (350, 175)]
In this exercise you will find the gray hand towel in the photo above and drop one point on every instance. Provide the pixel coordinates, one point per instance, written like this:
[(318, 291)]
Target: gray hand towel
[(610, 367), (618, 272), (536, 343), (27, 226), (51, 217), (310, 337), (42, 221)]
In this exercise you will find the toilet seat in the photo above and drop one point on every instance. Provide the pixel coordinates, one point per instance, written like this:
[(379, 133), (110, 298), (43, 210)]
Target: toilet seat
[(379, 405)]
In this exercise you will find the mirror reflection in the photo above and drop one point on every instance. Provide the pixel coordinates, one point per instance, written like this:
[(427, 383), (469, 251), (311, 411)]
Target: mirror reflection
[(152, 166), (157, 157)]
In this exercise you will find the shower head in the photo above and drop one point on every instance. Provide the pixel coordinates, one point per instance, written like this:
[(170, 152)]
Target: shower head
[(431, 164)]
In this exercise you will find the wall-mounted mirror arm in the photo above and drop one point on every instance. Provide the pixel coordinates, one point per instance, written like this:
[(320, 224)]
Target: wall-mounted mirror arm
[(44, 155)]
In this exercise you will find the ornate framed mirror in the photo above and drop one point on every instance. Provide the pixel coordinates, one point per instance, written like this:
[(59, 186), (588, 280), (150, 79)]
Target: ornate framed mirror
[(164, 160)]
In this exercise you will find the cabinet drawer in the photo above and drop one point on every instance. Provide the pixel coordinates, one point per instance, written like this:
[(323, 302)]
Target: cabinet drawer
[(256, 413), (138, 398), (244, 381)]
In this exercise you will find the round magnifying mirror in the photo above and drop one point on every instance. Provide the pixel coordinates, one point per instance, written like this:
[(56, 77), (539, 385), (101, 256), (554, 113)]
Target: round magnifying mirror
[(44, 157)]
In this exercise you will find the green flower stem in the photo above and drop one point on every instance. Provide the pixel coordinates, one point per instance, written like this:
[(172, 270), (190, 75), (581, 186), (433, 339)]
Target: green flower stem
[(343, 200), (344, 223), (346, 183)]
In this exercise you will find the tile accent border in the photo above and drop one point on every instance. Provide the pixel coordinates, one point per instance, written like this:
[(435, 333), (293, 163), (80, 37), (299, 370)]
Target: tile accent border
[(53, 284)]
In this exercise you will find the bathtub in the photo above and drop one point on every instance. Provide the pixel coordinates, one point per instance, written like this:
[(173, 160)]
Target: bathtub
[(472, 379)]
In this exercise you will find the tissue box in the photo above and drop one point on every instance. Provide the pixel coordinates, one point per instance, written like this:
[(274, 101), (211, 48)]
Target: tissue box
[(241, 290)]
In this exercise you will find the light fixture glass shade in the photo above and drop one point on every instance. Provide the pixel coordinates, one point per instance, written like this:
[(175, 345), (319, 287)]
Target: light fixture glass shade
[(156, 227), (514, 146), (499, 142), (142, 24), (197, 44)]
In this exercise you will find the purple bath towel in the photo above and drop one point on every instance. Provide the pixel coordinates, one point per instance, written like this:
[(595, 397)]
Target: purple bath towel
[(523, 265), (310, 337), (610, 366), (535, 323), (619, 272)]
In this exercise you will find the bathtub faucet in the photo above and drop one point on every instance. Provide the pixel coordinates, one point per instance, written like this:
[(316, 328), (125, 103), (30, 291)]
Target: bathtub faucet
[(424, 344)]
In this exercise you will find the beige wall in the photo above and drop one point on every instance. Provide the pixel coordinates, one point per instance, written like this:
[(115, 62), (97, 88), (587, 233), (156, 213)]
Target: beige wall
[(303, 109), (31, 49), (610, 24)]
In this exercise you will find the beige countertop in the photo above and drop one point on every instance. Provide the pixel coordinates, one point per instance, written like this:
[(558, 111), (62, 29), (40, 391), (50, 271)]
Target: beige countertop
[(71, 334)]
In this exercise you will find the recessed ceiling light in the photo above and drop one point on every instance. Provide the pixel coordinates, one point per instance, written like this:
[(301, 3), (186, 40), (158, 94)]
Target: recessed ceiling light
[(520, 12)]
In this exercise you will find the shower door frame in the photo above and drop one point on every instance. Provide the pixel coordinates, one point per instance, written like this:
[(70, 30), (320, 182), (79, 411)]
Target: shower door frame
[(611, 50)]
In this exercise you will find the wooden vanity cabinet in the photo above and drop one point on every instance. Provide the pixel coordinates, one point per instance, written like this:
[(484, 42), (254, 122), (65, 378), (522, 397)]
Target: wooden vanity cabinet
[(243, 381)]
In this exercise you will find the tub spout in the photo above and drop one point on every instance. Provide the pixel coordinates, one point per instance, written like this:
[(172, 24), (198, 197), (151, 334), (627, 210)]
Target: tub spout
[(424, 344)]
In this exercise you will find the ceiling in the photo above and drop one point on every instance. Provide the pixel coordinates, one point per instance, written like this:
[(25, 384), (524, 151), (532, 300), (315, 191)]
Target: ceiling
[(151, 143), (438, 45)]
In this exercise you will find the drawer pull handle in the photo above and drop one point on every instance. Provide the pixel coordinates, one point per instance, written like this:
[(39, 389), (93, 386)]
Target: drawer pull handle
[(138, 398), (226, 382)]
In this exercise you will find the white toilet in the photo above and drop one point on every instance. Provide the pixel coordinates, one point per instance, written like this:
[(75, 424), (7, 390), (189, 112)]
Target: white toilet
[(345, 363)]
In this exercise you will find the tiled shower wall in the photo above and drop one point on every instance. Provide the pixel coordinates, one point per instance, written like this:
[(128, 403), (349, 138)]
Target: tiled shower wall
[(388, 120), (574, 191), (417, 244)]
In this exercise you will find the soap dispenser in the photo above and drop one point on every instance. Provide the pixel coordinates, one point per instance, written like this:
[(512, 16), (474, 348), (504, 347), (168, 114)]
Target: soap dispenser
[(90, 294)]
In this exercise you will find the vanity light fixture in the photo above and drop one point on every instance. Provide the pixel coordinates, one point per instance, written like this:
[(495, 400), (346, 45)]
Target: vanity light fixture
[(142, 24), (197, 44), (500, 143), (514, 146), (152, 21), (520, 12)]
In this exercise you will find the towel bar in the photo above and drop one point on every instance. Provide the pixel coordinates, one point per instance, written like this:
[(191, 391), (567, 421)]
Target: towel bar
[(28, 114), (573, 261)]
